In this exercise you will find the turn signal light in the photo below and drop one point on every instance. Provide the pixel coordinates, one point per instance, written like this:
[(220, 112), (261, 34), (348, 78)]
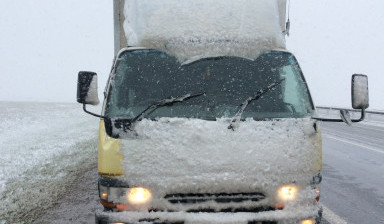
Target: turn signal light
[(317, 194)]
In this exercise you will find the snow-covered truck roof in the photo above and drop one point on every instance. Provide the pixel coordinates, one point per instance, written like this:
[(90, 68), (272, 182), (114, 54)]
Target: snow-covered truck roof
[(190, 30)]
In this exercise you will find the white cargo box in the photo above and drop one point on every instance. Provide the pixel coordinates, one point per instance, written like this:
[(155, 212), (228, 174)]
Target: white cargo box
[(195, 29)]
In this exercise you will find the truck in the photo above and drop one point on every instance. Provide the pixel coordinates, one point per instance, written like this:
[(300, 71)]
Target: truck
[(207, 117)]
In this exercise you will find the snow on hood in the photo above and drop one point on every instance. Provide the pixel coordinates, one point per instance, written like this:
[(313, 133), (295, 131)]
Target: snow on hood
[(192, 155), (191, 30)]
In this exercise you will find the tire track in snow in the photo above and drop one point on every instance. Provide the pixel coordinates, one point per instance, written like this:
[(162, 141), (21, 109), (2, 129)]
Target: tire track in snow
[(371, 141), (45, 147), (28, 196), (377, 150), (79, 203)]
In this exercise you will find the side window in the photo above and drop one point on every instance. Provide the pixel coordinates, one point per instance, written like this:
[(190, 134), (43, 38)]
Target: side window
[(290, 94), (294, 92)]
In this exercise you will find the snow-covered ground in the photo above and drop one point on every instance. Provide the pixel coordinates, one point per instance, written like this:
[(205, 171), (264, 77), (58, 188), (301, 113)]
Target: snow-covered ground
[(44, 147)]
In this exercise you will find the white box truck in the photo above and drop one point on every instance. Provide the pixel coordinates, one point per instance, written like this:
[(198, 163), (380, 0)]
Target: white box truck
[(207, 118)]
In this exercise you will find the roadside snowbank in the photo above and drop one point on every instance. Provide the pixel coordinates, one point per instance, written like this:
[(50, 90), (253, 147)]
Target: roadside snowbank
[(191, 30), (44, 146)]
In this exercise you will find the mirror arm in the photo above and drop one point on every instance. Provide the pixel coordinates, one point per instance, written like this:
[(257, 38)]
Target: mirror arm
[(93, 114), (327, 119), (363, 113)]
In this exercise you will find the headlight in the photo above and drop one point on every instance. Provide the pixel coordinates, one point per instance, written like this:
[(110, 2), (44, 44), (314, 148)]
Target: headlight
[(308, 221), (138, 195), (124, 198), (287, 193)]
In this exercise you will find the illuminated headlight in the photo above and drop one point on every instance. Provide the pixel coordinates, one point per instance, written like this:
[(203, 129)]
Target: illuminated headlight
[(287, 193), (138, 195), (136, 198), (308, 221)]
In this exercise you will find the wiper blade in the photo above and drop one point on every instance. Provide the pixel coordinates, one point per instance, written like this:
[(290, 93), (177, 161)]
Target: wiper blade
[(259, 93), (165, 102)]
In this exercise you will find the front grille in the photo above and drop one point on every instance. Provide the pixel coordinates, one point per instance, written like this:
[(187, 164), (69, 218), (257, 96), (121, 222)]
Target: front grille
[(193, 198), (233, 210), (262, 222), (155, 221), (158, 221)]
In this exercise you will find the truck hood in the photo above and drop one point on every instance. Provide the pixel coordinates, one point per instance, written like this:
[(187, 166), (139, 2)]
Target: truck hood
[(193, 155)]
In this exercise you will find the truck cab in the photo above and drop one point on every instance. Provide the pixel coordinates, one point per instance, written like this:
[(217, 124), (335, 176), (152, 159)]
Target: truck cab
[(217, 137)]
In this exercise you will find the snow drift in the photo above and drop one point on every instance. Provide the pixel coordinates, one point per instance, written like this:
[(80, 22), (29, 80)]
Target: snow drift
[(206, 28)]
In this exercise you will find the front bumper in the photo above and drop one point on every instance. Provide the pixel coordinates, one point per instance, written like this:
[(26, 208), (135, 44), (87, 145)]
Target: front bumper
[(270, 217)]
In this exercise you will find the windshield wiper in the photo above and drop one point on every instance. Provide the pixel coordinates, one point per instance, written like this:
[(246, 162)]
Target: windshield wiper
[(261, 92), (165, 102)]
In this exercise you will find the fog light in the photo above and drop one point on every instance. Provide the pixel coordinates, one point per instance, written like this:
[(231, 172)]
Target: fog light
[(308, 221), (139, 195), (104, 195), (287, 193)]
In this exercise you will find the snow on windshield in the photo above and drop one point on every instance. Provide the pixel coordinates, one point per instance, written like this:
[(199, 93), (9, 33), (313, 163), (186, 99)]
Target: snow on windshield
[(191, 30)]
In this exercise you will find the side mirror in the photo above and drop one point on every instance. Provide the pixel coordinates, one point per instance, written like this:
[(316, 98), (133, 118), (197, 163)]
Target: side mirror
[(360, 100), (360, 96), (87, 88)]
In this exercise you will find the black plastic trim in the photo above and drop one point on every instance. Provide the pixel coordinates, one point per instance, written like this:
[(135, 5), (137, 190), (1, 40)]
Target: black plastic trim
[(112, 182), (83, 83), (317, 179)]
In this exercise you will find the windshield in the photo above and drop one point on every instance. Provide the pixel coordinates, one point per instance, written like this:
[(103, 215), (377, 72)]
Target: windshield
[(143, 77)]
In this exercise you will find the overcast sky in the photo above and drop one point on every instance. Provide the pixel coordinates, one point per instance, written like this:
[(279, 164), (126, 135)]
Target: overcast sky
[(44, 43)]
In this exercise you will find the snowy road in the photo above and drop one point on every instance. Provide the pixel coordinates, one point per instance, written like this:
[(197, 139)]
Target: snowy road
[(353, 172)]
